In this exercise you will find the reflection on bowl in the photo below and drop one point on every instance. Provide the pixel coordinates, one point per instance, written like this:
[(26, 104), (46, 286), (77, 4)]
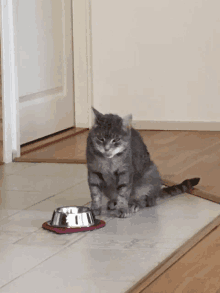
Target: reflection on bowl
[(72, 217)]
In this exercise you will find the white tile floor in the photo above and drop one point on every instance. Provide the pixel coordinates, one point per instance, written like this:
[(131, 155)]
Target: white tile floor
[(111, 259)]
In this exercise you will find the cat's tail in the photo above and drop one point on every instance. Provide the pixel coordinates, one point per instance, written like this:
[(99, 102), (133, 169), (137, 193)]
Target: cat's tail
[(186, 186)]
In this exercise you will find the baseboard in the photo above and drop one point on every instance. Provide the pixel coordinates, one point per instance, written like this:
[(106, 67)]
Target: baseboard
[(176, 125)]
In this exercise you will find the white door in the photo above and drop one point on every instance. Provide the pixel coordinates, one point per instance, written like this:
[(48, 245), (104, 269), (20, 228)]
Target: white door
[(43, 31)]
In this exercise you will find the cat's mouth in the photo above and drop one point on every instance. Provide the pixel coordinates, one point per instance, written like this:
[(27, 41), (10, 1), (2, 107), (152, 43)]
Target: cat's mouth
[(109, 155)]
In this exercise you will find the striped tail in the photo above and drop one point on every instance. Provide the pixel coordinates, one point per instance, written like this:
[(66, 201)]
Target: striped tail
[(186, 186)]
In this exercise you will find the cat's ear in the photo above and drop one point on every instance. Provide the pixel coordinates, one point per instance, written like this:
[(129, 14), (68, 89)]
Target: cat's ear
[(98, 115), (127, 121)]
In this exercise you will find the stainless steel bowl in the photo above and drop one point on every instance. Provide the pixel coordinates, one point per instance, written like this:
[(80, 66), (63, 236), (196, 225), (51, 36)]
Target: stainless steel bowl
[(72, 217)]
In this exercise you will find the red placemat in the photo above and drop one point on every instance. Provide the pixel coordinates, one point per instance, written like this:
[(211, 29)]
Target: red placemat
[(98, 224)]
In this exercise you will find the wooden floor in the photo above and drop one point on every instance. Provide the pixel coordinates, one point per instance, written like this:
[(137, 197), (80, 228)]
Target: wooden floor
[(197, 271), (65, 147), (195, 267), (178, 155)]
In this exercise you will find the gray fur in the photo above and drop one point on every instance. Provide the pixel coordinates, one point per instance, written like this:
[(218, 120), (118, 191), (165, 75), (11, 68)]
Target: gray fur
[(122, 170)]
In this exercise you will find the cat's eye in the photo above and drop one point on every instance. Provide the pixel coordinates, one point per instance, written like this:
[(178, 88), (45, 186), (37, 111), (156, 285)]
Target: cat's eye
[(101, 139), (117, 139)]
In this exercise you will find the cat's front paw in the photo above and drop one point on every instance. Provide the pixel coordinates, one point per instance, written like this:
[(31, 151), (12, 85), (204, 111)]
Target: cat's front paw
[(151, 201), (123, 213), (97, 211), (134, 208), (112, 204)]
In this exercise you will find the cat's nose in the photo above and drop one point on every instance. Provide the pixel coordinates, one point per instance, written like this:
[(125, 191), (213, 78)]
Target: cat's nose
[(107, 147)]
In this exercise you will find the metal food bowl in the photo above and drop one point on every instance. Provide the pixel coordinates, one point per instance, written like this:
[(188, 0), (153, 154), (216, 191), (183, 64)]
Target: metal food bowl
[(72, 217)]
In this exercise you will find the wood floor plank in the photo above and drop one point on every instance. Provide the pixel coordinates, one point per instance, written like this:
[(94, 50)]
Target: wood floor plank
[(206, 166), (196, 271), (159, 139), (155, 276), (182, 152), (47, 141), (72, 148), (46, 160)]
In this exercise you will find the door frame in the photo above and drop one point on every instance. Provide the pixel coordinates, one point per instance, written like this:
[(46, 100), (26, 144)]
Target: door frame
[(82, 69)]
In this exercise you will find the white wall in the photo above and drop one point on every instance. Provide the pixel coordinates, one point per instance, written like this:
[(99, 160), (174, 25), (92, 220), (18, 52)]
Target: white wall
[(158, 59)]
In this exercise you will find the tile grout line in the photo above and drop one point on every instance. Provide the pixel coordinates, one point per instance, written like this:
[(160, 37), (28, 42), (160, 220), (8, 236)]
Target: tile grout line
[(65, 246), (37, 202), (52, 196), (48, 258), (36, 231), (59, 250), (15, 173)]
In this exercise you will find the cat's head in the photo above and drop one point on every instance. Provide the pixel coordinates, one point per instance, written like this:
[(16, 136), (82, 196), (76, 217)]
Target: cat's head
[(111, 133)]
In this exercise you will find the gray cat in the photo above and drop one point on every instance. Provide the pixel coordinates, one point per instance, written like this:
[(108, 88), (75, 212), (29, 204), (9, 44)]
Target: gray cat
[(120, 168)]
